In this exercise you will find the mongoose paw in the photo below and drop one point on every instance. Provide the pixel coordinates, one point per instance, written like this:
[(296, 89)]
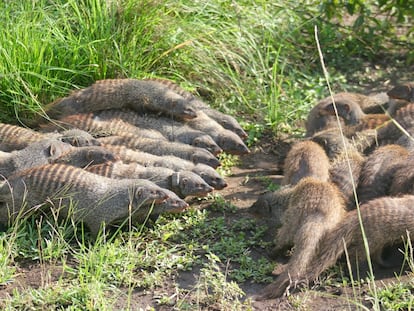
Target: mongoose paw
[(273, 290)]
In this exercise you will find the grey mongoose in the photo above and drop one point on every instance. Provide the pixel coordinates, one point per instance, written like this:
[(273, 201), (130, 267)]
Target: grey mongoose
[(184, 183), (209, 174), (122, 93), (226, 139), (95, 199), (228, 122), (162, 148), (170, 128)]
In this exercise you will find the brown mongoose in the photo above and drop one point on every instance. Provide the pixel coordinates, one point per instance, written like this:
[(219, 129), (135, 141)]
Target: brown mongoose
[(322, 116), (403, 118), (386, 221), (96, 199), (122, 93), (209, 174), (315, 208), (305, 158), (227, 121), (272, 204), (101, 127), (226, 139), (402, 181), (340, 175), (184, 183), (378, 170), (161, 148), (403, 91), (171, 129)]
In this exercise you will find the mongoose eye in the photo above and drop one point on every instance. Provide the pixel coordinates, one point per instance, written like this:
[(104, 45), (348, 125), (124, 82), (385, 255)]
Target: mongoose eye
[(184, 181)]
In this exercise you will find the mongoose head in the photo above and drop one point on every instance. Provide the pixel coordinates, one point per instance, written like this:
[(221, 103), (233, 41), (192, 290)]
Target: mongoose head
[(79, 138), (203, 156), (404, 91), (173, 204), (350, 111), (210, 176), (231, 143), (207, 142), (148, 194), (187, 183), (231, 124), (179, 106)]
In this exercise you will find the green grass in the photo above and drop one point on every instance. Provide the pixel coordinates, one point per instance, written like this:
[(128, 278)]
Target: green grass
[(256, 60)]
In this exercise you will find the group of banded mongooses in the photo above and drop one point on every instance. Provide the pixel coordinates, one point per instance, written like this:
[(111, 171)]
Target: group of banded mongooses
[(358, 150), (117, 150)]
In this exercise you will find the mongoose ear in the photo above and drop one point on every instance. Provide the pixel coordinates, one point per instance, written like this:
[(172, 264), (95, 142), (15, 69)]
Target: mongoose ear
[(55, 150)]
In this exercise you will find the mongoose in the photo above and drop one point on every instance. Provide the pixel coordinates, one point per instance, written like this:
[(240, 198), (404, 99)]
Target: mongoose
[(404, 117), (386, 221), (402, 180), (332, 142), (161, 148), (171, 129), (122, 93), (101, 127), (184, 183), (226, 139), (37, 153), (322, 116), (272, 204), (305, 158), (315, 208), (228, 122), (372, 103), (340, 175), (96, 200), (403, 91), (13, 137), (378, 170), (177, 164), (85, 156)]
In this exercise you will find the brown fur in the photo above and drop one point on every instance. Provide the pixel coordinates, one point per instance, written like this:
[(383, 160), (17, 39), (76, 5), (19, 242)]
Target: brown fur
[(386, 221), (378, 170), (315, 207), (404, 91), (402, 181), (140, 95), (305, 158)]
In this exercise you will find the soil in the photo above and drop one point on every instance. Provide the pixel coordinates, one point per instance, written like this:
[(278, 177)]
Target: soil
[(244, 186)]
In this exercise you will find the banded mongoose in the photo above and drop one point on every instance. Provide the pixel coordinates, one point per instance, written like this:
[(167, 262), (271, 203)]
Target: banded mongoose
[(13, 137), (95, 200), (171, 129), (305, 158), (85, 156), (403, 118), (226, 139), (403, 91), (122, 93), (378, 170), (332, 142), (342, 168), (402, 180), (101, 127), (272, 204), (184, 183), (227, 121), (209, 174), (162, 148), (35, 154), (315, 208), (322, 116), (386, 221)]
